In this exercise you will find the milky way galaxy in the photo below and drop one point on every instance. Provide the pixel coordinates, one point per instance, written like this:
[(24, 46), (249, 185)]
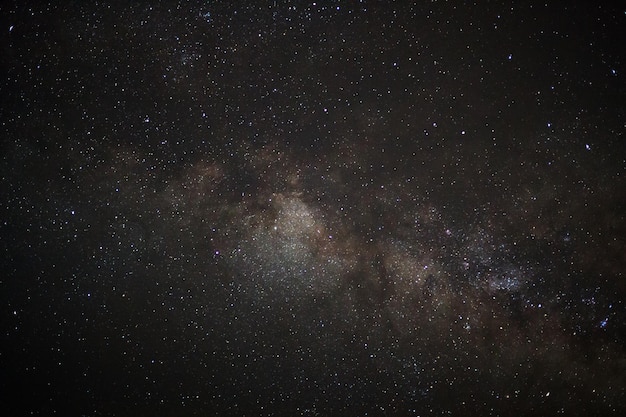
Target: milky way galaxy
[(312, 209)]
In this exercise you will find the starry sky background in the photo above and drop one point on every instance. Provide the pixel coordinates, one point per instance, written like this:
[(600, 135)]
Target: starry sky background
[(312, 208)]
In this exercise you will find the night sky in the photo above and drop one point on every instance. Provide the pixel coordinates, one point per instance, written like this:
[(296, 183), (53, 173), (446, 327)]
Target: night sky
[(312, 208)]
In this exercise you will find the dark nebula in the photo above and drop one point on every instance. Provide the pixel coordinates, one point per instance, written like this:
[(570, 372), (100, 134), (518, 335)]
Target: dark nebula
[(331, 208)]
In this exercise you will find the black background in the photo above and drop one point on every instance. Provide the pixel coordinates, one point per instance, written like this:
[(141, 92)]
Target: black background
[(312, 208)]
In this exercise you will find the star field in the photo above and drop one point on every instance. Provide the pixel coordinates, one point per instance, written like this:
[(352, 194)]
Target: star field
[(330, 208)]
